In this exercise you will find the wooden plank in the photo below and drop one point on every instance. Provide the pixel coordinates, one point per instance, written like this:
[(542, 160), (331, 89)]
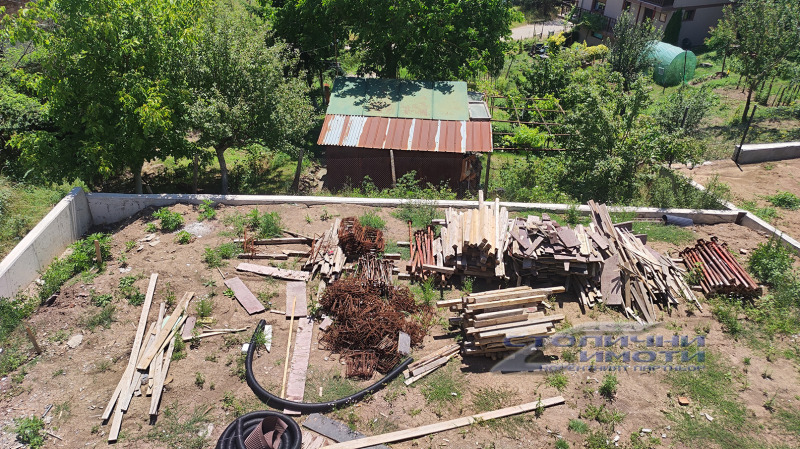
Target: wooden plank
[(535, 329), (610, 282), (280, 241), (155, 368), (403, 343), (426, 369), (334, 430), (438, 269), (245, 297), (158, 387), (263, 256), (264, 270), (297, 373), (502, 320), (449, 349), (188, 327), (165, 332), (505, 302), (530, 321), (402, 435), (296, 253), (296, 294), (125, 389)]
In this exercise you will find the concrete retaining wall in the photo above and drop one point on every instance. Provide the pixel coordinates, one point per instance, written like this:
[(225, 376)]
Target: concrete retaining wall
[(764, 152), (69, 220), (73, 216)]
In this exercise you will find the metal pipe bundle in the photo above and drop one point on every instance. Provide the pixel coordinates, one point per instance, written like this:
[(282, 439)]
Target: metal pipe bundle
[(718, 269)]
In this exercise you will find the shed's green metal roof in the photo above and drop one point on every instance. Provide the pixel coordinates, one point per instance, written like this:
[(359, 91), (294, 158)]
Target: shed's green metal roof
[(373, 97)]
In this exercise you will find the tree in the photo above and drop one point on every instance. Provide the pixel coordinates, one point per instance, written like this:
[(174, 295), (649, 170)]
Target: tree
[(632, 47), (682, 110), (721, 39), (764, 34), (112, 82), (430, 39), (242, 94)]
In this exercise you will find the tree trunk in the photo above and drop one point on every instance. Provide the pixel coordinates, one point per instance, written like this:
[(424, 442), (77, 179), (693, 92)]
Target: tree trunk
[(724, 59), (137, 177), (747, 104), (769, 91), (223, 170), (298, 170)]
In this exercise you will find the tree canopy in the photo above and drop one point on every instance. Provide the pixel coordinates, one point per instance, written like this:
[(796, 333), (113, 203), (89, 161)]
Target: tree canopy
[(241, 92), (633, 42), (112, 82)]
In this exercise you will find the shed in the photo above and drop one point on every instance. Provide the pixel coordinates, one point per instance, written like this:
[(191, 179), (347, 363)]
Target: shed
[(374, 127), (672, 65)]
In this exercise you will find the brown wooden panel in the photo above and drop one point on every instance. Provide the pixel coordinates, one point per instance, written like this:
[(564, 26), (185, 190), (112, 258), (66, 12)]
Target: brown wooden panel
[(245, 297)]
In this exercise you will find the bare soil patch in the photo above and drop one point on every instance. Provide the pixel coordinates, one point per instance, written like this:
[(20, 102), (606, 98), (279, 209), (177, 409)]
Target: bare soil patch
[(92, 370)]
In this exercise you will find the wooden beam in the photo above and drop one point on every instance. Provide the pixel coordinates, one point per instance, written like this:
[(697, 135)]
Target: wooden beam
[(164, 333), (296, 388), (263, 270), (245, 297), (402, 435)]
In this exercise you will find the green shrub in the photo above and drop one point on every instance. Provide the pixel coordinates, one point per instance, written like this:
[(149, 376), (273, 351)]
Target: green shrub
[(372, 220), (204, 307), (420, 212), (82, 258), (184, 237), (206, 210), (771, 262), (608, 388), (179, 351), (101, 300), (578, 426), (785, 200), (266, 225), (170, 221), (213, 257), (131, 292), (30, 431)]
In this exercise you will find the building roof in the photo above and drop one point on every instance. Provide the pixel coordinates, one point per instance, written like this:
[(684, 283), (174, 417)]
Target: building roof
[(413, 134), (374, 97)]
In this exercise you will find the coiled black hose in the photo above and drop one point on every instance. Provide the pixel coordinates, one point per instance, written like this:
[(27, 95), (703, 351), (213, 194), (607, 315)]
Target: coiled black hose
[(309, 407), (234, 435)]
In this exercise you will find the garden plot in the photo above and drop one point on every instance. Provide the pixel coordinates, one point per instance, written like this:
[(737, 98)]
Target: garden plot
[(205, 389)]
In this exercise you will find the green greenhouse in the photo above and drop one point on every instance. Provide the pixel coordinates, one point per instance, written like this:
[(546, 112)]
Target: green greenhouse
[(672, 64)]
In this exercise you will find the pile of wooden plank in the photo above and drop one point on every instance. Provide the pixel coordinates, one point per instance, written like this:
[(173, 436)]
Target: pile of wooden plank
[(150, 358), (472, 241), (491, 319), (430, 363), (426, 256), (327, 258), (634, 275), (717, 269)]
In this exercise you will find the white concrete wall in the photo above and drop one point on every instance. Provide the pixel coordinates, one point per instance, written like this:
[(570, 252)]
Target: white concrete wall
[(67, 222), (763, 152)]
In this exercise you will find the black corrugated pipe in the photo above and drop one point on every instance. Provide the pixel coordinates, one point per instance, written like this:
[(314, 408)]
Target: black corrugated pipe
[(311, 407), (677, 221), (237, 432)]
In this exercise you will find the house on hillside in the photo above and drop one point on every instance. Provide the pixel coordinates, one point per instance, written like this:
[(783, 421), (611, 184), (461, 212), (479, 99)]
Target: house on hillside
[(696, 17), (385, 128)]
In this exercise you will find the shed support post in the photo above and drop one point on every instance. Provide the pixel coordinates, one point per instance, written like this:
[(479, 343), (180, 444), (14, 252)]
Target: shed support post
[(394, 174), (486, 176)]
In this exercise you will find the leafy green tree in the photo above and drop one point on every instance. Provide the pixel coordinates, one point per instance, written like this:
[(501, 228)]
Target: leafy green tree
[(112, 82), (765, 34), (242, 94), (721, 39), (430, 39), (632, 47), (690, 102)]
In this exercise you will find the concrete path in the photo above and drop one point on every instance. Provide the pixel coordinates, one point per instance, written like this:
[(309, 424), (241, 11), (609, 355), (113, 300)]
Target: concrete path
[(537, 29)]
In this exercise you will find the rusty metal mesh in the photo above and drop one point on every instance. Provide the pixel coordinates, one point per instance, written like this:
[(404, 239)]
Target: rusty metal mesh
[(366, 320), (357, 240)]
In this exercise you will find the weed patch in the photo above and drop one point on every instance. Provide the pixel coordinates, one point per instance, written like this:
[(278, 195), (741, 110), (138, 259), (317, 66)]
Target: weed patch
[(170, 221), (661, 233), (372, 220), (785, 200), (102, 318), (180, 430), (30, 431)]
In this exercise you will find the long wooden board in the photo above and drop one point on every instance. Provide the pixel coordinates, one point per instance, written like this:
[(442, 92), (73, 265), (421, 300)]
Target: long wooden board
[(506, 302), (332, 429), (165, 332), (279, 273), (295, 390), (296, 290), (245, 297), (610, 282), (417, 432), (124, 384)]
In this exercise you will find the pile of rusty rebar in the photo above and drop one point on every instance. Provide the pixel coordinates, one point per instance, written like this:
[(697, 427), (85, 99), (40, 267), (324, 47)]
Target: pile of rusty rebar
[(357, 239), (717, 270), (366, 320), (376, 271)]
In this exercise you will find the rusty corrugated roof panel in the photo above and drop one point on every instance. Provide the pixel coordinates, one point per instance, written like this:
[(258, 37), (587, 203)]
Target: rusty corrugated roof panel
[(451, 136)]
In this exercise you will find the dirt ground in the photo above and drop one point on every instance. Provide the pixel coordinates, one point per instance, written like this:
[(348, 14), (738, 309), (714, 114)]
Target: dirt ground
[(753, 182), (80, 381)]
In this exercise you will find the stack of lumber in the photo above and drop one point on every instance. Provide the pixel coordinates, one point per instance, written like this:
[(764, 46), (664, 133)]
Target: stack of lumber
[(150, 356), (430, 363), (491, 319), (250, 250), (539, 250), (717, 269), (327, 259), (634, 275), (472, 241)]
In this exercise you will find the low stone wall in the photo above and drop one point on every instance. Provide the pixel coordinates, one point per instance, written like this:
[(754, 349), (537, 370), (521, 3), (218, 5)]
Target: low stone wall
[(764, 152)]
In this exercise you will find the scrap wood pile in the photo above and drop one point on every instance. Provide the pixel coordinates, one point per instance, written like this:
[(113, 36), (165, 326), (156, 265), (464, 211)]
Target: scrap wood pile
[(633, 273), (430, 363), (250, 246), (149, 361), (327, 258), (376, 271), (364, 320), (540, 250), (426, 253), (718, 270), (345, 239), (492, 319)]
